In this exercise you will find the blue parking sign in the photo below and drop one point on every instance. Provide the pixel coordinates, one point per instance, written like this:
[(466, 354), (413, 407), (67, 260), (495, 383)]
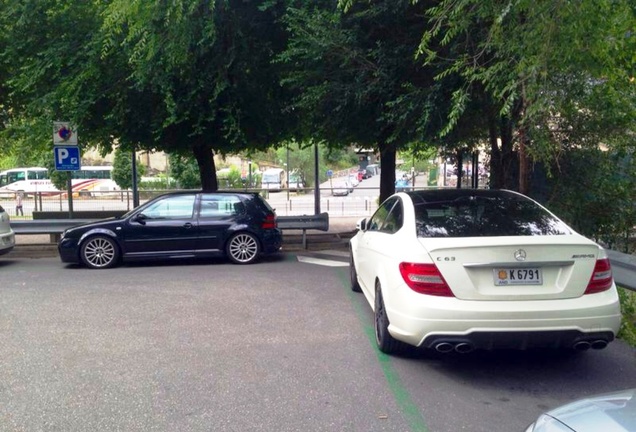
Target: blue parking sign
[(67, 158)]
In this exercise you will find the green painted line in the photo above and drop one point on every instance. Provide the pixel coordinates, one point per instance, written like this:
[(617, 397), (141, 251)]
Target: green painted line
[(411, 411)]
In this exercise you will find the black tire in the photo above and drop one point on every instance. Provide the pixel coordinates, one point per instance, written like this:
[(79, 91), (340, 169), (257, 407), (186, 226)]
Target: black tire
[(386, 343), (99, 252), (243, 248), (353, 275)]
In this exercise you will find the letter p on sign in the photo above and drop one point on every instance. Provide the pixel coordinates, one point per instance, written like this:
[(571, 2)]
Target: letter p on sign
[(62, 153)]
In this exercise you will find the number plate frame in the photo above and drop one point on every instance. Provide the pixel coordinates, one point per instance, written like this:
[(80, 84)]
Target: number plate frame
[(517, 276)]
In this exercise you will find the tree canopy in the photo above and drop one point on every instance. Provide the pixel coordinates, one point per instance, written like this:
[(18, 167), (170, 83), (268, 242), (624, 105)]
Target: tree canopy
[(184, 77), (355, 78), (535, 82)]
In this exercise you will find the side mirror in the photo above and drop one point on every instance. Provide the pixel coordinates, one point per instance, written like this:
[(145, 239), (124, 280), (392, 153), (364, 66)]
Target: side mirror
[(140, 218), (361, 225)]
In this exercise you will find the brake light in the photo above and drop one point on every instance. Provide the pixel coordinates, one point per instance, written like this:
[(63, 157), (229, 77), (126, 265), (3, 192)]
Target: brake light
[(269, 222), (425, 279), (601, 279)]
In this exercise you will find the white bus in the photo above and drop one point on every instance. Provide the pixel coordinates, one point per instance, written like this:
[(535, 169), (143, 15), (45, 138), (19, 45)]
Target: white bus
[(36, 179), (274, 179)]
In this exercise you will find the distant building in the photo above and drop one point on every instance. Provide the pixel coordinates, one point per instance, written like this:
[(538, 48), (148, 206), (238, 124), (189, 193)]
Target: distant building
[(366, 157)]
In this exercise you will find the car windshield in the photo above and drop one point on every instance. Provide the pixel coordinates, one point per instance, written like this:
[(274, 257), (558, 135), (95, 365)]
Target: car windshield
[(481, 216)]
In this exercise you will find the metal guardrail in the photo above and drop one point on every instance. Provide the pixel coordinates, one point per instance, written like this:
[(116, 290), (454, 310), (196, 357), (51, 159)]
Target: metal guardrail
[(623, 269), (623, 265), (304, 222), (55, 227), (52, 227)]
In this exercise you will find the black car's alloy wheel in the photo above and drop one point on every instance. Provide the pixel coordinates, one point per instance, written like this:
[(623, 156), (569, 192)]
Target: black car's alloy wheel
[(353, 275), (99, 252), (386, 343), (243, 248)]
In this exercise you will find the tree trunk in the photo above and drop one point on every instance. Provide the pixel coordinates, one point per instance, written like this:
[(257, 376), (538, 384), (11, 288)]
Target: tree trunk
[(387, 171), (496, 171), (207, 170), (460, 168), (508, 180), (524, 187)]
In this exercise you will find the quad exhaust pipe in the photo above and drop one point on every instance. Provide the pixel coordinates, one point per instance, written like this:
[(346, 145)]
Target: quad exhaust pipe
[(464, 347)]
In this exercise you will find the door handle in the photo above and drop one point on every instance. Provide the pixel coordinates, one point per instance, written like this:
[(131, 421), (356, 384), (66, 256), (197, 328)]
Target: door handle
[(187, 225)]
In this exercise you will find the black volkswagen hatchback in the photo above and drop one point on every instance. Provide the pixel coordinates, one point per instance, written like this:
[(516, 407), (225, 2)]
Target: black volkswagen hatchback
[(239, 225)]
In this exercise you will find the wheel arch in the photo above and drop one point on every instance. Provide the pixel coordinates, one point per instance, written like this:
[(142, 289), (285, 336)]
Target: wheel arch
[(95, 232)]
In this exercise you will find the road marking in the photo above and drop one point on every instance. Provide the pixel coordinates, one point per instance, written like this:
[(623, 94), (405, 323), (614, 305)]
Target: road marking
[(322, 262), (409, 408)]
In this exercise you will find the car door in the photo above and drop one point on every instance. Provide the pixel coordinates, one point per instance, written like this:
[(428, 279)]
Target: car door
[(218, 212), (372, 245), (164, 228)]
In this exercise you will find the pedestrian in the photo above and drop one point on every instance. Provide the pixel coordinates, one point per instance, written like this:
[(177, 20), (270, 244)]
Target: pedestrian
[(18, 204)]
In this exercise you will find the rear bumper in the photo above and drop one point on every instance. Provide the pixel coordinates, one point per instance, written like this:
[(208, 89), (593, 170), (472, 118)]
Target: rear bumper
[(7, 242), (566, 339), (272, 240), (494, 325)]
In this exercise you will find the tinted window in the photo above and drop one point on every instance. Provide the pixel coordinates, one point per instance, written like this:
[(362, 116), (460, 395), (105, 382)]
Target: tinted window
[(215, 205), (393, 221), (377, 220), (171, 207), (481, 216)]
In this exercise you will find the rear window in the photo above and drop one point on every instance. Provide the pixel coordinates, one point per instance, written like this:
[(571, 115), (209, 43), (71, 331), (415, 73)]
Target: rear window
[(261, 203), (479, 216)]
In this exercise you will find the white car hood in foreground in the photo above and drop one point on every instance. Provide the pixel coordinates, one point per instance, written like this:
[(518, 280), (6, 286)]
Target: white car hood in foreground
[(612, 412)]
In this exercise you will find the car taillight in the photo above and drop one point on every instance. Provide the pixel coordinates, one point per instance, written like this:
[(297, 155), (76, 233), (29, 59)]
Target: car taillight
[(269, 222), (425, 279), (601, 279)]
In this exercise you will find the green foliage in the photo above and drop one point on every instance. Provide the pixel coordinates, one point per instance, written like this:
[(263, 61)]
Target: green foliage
[(595, 191), (231, 178), (627, 331), (355, 78), (189, 77), (123, 169), (559, 70), (58, 178), (300, 159), (185, 172), (25, 142), (160, 182)]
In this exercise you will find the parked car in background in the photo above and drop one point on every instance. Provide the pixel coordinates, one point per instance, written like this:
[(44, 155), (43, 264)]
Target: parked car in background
[(238, 225), (373, 169), (364, 174), (295, 182), (341, 187), (353, 180), (464, 269), (7, 236), (611, 412), (402, 185)]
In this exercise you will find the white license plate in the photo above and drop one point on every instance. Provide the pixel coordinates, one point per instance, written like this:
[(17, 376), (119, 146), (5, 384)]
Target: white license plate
[(518, 276)]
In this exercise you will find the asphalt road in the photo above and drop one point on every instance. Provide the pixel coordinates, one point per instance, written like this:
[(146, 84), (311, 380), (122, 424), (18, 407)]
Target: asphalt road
[(283, 345)]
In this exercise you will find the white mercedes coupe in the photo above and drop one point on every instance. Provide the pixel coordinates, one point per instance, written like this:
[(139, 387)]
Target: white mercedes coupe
[(456, 270)]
